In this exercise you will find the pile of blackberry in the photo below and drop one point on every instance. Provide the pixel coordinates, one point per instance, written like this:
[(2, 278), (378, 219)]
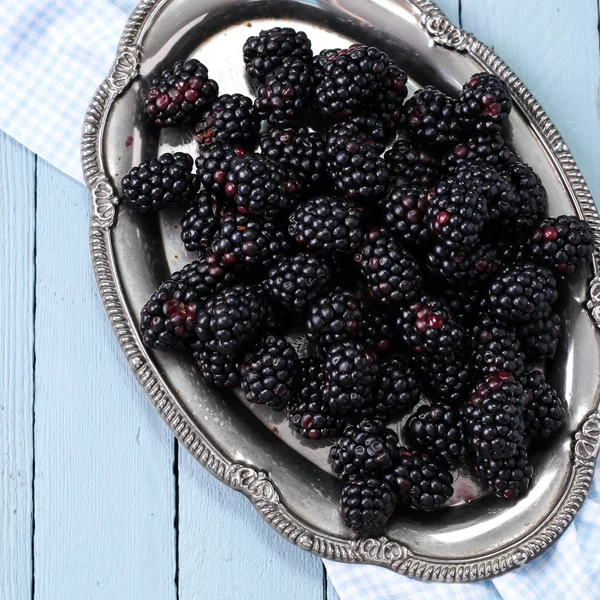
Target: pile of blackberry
[(359, 258)]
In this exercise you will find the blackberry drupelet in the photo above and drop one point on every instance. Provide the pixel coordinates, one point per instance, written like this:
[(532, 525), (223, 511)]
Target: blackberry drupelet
[(484, 103), (523, 293), (412, 164), (489, 148), (218, 369), (160, 182), (563, 243), (438, 429), (335, 317), (392, 274), (180, 94), (540, 339), (377, 330), (367, 504), (230, 120), (431, 119), (295, 281), (326, 225), (545, 410), (449, 380), (506, 477), (369, 448), (397, 388), (213, 165), (270, 373), (403, 211), (200, 221), (388, 102), (266, 51), (420, 481)]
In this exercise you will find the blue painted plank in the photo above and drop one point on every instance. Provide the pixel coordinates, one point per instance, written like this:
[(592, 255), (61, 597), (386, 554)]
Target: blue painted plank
[(17, 226), (104, 487)]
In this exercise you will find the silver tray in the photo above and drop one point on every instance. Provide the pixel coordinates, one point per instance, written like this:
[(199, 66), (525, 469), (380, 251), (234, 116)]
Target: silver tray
[(287, 479)]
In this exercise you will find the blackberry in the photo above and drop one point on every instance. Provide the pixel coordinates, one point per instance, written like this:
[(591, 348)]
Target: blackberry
[(160, 182), (431, 119), (506, 477), (295, 281), (286, 92), (484, 103), (464, 303), (389, 98), (200, 221), (363, 450), (270, 373), (456, 215), (351, 373), (449, 380), (540, 338), (205, 277), (179, 94), (231, 120), (298, 151), (377, 330), (309, 412), (354, 165), (366, 505), (496, 349), (489, 148), (522, 293), (427, 328), (545, 410), (335, 317), (213, 165), (397, 388), (413, 165), (403, 211), (266, 51), (369, 128), (563, 243), (230, 320), (494, 418), (319, 60), (392, 274), (326, 225), (246, 241), (531, 194), (420, 481), (258, 186), (217, 369), (438, 430)]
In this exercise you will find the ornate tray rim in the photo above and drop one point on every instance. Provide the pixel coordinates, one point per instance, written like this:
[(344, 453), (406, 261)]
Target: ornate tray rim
[(256, 484)]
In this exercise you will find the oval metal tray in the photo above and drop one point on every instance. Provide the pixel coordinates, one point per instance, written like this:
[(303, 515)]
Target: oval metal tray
[(287, 479)]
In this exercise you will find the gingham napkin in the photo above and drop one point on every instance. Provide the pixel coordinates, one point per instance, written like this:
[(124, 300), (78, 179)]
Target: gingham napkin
[(53, 55)]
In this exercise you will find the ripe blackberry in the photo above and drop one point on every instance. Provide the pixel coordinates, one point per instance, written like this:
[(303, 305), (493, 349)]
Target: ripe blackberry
[(217, 369), (489, 148), (494, 418), (366, 505), (464, 303), (286, 93), (355, 167), (295, 281), (397, 389), (266, 51), (431, 119), (484, 103), (563, 243), (438, 429), (335, 317), (160, 182), (506, 477), (420, 481), (246, 241), (391, 273), (369, 448), (270, 373), (495, 349), (213, 165), (368, 127), (298, 151), (428, 329), (179, 94), (540, 339), (449, 380), (403, 211), (389, 98), (456, 215), (205, 277), (231, 319), (522, 293), (545, 410), (319, 60), (309, 412), (230, 120), (377, 330), (200, 221), (414, 165), (326, 225)]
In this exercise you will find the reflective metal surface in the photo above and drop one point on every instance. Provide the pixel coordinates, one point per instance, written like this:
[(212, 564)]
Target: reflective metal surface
[(252, 450)]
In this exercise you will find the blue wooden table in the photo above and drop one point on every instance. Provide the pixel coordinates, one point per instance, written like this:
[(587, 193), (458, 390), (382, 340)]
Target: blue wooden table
[(98, 501)]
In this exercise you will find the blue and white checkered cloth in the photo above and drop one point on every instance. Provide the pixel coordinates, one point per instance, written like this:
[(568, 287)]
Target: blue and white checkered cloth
[(53, 55)]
